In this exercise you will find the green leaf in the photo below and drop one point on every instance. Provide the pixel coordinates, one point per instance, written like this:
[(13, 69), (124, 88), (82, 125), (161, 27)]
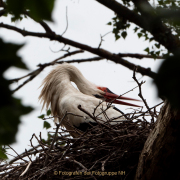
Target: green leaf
[(157, 53), (143, 31), (157, 45), (10, 108), (128, 25), (38, 9), (151, 39), (41, 116), (139, 35), (46, 125), (117, 36), (109, 23), (135, 29), (10, 119), (2, 153), (10, 59), (147, 50), (124, 34), (48, 112)]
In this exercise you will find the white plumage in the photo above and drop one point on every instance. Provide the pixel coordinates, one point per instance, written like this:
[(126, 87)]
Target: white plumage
[(61, 96)]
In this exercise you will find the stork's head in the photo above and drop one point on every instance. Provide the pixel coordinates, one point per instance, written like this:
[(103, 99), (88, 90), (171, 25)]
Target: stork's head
[(86, 87), (105, 94)]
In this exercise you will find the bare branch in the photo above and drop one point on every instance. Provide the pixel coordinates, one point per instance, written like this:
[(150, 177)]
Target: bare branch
[(138, 56), (46, 27), (100, 52), (103, 39), (24, 172), (17, 154), (2, 12), (66, 22), (41, 68), (141, 96)]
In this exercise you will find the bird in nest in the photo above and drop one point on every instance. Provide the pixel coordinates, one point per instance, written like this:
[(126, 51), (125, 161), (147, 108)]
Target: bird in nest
[(85, 107)]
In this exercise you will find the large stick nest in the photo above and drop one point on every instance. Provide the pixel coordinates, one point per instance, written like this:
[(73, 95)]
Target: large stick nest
[(110, 149), (103, 152)]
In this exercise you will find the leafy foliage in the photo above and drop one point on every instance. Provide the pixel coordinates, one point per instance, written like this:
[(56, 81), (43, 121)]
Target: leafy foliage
[(10, 108), (120, 26), (169, 11), (168, 78), (2, 153), (41, 116), (46, 125), (48, 112), (38, 10)]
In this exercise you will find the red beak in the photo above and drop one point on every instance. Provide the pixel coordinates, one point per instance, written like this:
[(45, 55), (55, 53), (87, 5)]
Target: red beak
[(111, 97)]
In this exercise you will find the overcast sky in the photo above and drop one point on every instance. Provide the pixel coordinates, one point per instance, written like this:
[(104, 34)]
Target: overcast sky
[(86, 22)]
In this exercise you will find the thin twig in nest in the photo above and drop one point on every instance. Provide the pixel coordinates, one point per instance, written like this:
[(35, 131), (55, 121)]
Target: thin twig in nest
[(141, 96)]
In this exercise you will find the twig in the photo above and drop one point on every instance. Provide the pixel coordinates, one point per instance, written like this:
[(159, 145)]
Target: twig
[(103, 39), (100, 102), (41, 68), (140, 94), (148, 110), (104, 162), (24, 154), (17, 154), (83, 110), (68, 113), (26, 168), (41, 144), (27, 155), (94, 118), (66, 22), (84, 168), (52, 144), (94, 59)]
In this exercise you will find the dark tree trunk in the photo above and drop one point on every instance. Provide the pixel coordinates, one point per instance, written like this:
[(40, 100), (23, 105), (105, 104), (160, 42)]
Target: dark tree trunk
[(160, 157)]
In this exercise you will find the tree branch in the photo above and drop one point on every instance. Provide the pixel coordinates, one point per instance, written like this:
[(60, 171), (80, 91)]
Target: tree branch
[(147, 20), (2, 12), (46, 27), (100, 52), (141, 96), (41, 68), (125, 12), (160, 155), (137, 56)]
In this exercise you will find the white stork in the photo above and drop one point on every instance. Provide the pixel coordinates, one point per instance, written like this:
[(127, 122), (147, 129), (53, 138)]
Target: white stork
[(59, 94)]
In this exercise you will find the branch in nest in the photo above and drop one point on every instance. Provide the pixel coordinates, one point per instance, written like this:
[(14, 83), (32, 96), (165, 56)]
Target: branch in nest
[(141, 96)]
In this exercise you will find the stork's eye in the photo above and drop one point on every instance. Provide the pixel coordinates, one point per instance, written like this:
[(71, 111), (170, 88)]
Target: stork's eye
[(97, 96)]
